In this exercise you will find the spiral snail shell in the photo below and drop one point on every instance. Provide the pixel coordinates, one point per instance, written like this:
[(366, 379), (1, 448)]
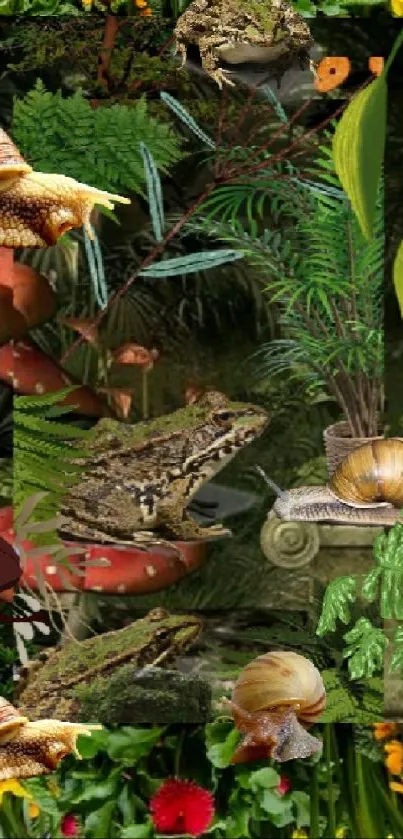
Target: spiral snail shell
[(11, 721), (37, 208), (275, 699), (371, 475), (29, 748), (366, 489)]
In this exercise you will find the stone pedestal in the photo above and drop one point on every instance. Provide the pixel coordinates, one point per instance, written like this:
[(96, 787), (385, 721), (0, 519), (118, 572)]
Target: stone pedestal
[(304, 556)]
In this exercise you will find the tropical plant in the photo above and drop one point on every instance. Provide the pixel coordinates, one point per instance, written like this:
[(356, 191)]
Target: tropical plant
[(326, 279), (367, 644)]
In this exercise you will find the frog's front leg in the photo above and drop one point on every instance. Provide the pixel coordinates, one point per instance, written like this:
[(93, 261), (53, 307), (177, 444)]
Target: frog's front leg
[(180, 524), (210, 60)]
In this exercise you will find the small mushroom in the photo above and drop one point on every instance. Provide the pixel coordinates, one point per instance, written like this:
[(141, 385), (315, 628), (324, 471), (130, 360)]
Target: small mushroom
[(136, 354)]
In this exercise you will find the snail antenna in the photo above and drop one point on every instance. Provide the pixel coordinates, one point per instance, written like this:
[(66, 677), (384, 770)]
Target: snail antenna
[(279, 492)]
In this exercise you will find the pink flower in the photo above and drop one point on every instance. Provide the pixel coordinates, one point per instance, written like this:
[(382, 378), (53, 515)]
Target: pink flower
[(69, 825), (182, 807), (284, 786)]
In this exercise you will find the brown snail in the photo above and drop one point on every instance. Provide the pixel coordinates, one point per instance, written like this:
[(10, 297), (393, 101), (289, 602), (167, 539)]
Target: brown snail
[(275, 699), (37, 208), (366, 489), (29, 748)]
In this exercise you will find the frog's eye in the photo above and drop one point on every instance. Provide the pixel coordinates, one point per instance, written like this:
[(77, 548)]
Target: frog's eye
[(331, 72), (224, 417)]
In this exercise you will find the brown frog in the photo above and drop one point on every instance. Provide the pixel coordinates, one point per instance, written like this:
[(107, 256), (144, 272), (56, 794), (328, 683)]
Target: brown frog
[(236, 31), (139, 479)]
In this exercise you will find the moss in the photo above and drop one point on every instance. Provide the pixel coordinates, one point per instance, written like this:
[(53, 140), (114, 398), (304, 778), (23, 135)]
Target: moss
[(155, 696), (262, 11)]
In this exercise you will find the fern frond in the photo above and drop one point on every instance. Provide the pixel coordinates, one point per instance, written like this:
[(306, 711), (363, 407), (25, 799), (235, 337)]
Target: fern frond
[(44, 455)]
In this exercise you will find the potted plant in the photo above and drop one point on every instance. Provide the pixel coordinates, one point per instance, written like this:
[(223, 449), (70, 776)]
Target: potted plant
[(327, 281)]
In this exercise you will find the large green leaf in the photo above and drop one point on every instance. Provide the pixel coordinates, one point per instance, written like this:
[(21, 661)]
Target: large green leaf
[(358, 150)]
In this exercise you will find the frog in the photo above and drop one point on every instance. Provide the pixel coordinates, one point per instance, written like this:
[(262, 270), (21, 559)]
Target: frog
[(77, 680), (137, 480), (236, 31)]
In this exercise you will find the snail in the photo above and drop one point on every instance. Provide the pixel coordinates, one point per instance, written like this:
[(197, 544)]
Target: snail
[(37, 208), (275, 699), (29, 748), (366, 489)]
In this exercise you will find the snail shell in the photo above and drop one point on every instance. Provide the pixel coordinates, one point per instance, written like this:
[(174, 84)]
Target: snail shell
[(11, 721), (281, 679), (371, 475), (275, 699), (12, 164)]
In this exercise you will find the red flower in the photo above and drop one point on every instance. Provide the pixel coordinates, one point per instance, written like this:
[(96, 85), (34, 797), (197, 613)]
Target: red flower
[(284, 786), (182, 807), (69, 825)]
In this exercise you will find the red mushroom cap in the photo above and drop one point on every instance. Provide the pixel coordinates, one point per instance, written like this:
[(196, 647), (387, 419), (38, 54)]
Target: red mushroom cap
[(30, 371)]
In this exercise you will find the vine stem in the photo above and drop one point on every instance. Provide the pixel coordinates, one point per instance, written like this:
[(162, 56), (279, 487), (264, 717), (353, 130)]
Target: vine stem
[(156, 251), (108, 43)]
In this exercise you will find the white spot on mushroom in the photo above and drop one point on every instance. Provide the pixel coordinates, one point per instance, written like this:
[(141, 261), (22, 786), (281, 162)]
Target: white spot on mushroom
[(51, 569), (39, 387), (121, 588), (151, 570), (97, 588)]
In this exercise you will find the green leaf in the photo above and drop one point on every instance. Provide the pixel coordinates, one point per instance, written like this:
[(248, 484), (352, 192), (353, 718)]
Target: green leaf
[(398, 276), (339, 594), (191, 263), (221, 740), (130, 744), (154, 193), (266, 778), (358, 150), (98, 823), (365, 650), (182, 113), (136, 831), (301, 802)]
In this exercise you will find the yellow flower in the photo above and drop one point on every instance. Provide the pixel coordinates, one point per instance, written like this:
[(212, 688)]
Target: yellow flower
[(15, 788), (340, 832), (397, 8), (299, 834), (33, 810), (394, 761), (396, 786), (383, 730)]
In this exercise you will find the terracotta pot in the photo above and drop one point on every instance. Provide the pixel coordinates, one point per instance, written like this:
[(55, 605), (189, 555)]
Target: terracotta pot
[(339, 444)]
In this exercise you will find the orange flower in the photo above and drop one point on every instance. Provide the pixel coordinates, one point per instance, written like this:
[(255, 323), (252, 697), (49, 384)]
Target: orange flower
[(394, 760), (383, 730), (396, 786), (376, 64), (331, 72)]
